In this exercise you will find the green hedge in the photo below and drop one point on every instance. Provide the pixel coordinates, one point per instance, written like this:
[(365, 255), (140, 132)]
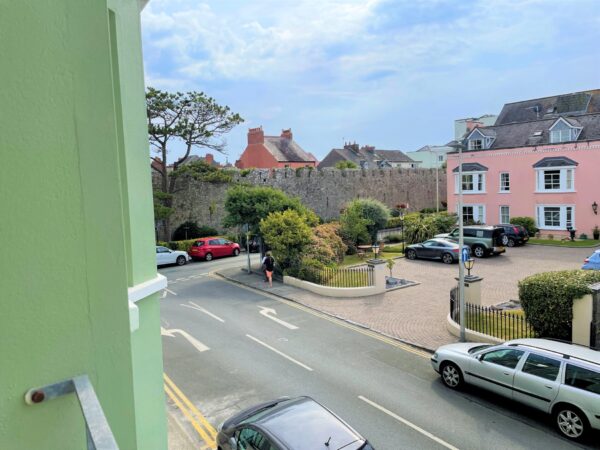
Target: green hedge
[(181, 245), (527, 222), (547, 299)]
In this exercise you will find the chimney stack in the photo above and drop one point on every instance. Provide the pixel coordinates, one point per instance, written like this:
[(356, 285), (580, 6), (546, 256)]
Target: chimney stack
[(256, 136), (286, 133), (472, 124), (209, 158)]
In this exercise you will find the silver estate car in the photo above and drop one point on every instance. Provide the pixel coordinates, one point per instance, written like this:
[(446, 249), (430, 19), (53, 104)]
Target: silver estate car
[(558, 378)]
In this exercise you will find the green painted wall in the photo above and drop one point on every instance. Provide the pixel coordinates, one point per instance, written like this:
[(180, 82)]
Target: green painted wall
[(77, 223)]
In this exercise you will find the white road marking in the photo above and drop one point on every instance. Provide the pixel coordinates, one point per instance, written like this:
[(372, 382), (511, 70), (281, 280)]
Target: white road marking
[(169, 291), (267, 311), (192, 305), (279, 353), (191, 339), (180, 279), (407, 423)]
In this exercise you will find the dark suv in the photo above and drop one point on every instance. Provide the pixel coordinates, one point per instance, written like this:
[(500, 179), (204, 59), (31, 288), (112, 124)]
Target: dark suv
[(289, 424), (515, 234), (483, 240)]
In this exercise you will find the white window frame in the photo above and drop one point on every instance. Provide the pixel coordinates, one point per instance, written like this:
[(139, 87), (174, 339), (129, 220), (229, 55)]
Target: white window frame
[(558, 136), (502, 190), (472, 146), (478, 179), (479, 212), (507, 214), (539, 217), (564, 170)]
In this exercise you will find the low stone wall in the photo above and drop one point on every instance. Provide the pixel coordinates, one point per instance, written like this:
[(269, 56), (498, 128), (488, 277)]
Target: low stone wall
[(334, 291)]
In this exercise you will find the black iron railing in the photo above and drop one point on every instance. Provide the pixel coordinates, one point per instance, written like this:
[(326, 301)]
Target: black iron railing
[(340, 277), (503, 324)]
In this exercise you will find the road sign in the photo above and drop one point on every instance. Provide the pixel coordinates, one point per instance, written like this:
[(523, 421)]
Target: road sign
[(465, 254)]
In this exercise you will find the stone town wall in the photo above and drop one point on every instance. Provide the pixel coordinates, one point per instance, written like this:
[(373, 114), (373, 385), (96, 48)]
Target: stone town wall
[(325, 191)]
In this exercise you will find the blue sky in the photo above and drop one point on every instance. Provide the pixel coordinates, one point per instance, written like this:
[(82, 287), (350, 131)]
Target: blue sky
[(389, 73)]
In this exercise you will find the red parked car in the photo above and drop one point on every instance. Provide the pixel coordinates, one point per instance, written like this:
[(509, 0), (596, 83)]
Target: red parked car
[(213, 247)]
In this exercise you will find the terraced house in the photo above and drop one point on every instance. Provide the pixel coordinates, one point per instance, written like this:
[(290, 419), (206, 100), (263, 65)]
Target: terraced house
[(540, 159)]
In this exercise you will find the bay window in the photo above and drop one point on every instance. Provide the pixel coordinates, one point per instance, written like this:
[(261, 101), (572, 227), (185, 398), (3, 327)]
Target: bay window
[(555, 217), (555, 179)]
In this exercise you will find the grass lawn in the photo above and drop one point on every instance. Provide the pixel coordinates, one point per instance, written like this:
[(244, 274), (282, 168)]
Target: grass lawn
[(569, 243), (498, 325)]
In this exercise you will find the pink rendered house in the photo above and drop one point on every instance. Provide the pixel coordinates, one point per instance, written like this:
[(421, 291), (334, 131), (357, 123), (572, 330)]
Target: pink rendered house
[(540, 159)]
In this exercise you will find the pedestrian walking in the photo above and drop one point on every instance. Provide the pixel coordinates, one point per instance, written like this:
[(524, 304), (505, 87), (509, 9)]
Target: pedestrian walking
[(269, 263)]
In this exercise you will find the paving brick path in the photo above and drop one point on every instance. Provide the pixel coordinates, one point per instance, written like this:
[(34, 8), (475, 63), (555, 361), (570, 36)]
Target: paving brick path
[(417, 314)]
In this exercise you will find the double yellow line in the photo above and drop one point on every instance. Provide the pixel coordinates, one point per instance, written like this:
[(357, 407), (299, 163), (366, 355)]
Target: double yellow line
[(206, 431)]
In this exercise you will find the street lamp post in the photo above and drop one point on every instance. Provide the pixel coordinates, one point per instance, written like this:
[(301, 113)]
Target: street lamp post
[(437, 182), (461, 242)]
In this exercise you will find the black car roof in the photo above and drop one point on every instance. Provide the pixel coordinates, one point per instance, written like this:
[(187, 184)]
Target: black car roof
[(302, 423)]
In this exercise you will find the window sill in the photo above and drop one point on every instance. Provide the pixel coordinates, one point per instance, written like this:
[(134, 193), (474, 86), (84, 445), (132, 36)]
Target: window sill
[(555, 192), (471, 192), (553, 228), (503, 192)]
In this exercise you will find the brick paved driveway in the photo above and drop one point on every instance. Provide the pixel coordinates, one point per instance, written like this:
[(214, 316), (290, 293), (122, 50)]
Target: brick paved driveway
[(418, 314)]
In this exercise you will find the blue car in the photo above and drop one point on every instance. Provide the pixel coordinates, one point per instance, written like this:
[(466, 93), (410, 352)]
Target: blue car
[(593, 262)]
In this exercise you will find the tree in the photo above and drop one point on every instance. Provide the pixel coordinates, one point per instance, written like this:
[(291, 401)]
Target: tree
[(190, 118), (191, 230), (346, 164), (251, 204), (287, 233), (354, 229), (375, 213)]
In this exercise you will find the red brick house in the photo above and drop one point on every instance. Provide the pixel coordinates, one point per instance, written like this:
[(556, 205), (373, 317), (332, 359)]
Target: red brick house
[(265, 152)]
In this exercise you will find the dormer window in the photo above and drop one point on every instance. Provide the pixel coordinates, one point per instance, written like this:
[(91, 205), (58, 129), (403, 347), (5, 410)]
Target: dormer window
[(480, 139), (564, 130), (475, 144)]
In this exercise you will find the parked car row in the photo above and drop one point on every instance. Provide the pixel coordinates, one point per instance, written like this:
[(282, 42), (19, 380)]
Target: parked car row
[(206, 248)]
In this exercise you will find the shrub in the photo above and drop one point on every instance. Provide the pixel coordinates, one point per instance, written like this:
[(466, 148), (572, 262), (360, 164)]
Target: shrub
[(287, 234), (326, 244), (346, 164), (547, 299), (245, 172), (583, 236), (193, 231), (309, 270), (391, 238), (375, 215), (420, 227), (394, 222), (162, 243), (527, 222), (184, 246)]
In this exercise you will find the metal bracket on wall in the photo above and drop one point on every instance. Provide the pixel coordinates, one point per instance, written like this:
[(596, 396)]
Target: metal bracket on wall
[(98, 432)]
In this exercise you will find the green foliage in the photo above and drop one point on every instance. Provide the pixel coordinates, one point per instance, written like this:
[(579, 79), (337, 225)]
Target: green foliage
[(527, 222), (354, 229), (583, 236), (184, 245), (287, 234), (161, 212), (245, 172), (547, 299), (193, 231), (162, 244), (326, 245), (309, 270), (201, 171), (394, 222), (393, 238), (390, 263), (346, 164), (420, 227), (374, 213), (251, 204)]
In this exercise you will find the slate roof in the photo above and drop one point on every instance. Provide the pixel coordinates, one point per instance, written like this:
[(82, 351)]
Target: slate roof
[(286, 150), (364, 157), (577, 103), (471, 167), (555, 161), (523, 134)]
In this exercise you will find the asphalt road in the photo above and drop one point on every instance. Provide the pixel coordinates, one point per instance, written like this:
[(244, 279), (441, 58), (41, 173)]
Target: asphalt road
[(227, 348)]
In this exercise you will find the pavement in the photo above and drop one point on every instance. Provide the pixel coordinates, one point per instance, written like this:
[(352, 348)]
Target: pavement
[(417, 315)]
